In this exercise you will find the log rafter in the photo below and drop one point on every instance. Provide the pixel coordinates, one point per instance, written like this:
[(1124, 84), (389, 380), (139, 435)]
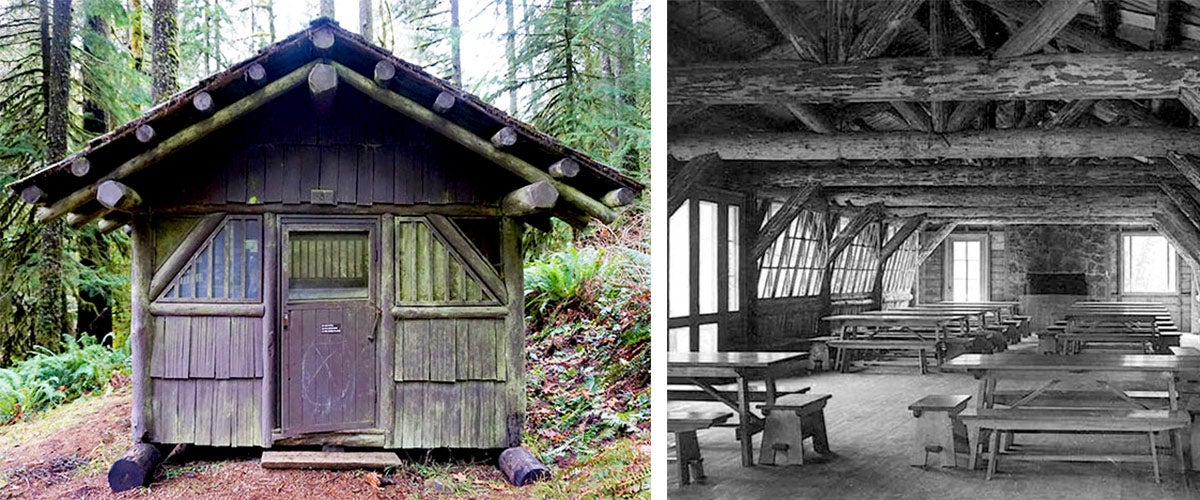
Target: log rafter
[(779, 222), (872, 213), (935, 241)]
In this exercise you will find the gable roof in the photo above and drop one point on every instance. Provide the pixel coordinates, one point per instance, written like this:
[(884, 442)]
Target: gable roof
[(60, 185)]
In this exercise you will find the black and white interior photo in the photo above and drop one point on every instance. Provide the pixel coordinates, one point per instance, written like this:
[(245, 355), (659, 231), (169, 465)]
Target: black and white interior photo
[(933, 248)]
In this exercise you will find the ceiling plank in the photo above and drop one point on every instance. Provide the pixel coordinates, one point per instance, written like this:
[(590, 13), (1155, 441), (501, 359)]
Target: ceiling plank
[(788, 17), (1187, 166), (1109, 142), (1043, 212), (1069, 114), (1067, 76), (968, 20), (916, 117), (1055, 198), (1031, 37), (882, 29)]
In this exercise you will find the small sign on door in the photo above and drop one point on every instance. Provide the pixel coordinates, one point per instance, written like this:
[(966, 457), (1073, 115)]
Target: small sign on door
[(331, 328)]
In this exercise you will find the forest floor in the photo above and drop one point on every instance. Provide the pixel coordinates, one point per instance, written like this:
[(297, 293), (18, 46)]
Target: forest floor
[(66, 452)]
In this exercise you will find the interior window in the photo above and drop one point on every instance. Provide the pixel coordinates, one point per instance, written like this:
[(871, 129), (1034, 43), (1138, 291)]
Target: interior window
[(1148, 264)]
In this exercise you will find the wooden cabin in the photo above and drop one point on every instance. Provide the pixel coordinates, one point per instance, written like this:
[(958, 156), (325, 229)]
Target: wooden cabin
[(327, 250), (843, 157)]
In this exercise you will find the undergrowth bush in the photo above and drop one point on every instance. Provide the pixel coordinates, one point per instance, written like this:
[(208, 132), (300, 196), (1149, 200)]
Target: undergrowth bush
[(588, 310), (46, 379)]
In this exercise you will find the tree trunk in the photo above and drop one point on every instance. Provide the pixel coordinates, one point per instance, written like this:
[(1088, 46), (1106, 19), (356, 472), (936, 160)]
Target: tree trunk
[(136, 36), (365, 21), (94, 315), (510, 52), (164, 67), (50, 320), (327, 8), (455, 46)]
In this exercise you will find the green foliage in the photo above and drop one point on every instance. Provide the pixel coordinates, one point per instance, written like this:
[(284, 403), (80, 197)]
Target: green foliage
[(46, 379), (589, 314)]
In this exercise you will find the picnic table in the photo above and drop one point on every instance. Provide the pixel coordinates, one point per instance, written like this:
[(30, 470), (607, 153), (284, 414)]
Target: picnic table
[(1089, 370), (709, 369), (887, 330)]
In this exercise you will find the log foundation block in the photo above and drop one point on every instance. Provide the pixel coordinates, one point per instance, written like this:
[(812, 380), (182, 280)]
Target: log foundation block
[(521, 467), (136, 467), (938, 430)]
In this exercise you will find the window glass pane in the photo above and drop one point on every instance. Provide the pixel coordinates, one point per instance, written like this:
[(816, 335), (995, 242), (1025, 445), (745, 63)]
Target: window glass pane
[(679, 281), (734, 260), (708, 242), (678, 340), (328, 265), (1149, 264), (708, 338)]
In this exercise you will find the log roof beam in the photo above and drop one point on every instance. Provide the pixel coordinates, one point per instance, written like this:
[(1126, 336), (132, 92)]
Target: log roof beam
[(1107, 142), (1066, 76), (910, 226), (759, 175), (839, 243), (1183, 235)]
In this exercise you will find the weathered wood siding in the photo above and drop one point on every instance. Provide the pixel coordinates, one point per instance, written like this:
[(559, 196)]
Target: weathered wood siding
[(206, 374), (428, 272), (364, 153)]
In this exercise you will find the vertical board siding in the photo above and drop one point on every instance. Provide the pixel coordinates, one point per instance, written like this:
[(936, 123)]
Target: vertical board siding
[(228, 267), (206, 347), (428, 272), (366, 153), (448, 350), (466, 414), (206, 412)]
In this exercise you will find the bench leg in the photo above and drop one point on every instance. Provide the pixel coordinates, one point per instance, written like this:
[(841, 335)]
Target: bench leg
[(771, 429), (1193, 438), (924, 370), (1154, 458), (688, 448), (1177, 442), (974, 435), (816, 424), (993, 453)]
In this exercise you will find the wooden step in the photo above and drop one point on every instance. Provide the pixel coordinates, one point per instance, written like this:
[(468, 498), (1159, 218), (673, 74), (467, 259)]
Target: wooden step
[(329, 460)]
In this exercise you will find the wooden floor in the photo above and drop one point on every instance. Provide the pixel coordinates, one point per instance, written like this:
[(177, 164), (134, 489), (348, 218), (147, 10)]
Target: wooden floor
[(870, 431)]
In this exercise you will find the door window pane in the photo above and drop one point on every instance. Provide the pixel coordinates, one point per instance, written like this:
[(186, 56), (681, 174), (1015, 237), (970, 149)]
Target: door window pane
[(328, 265), (679, 281), (708, 243), (967, 280)]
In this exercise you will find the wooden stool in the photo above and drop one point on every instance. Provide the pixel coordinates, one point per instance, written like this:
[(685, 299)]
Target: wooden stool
[(789, 421), (684, 425), (937, 425)]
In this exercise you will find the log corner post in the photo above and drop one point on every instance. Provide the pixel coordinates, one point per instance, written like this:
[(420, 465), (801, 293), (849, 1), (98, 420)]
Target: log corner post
[(386, 347), (270, 294), (141, 326), (514, 280)]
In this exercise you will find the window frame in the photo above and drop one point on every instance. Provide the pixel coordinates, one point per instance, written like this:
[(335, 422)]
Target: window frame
[(985, 274), (723, 318), (1173, 265)]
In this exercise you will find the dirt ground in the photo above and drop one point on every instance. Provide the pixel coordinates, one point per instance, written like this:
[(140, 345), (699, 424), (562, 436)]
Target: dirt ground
[(65, 453)]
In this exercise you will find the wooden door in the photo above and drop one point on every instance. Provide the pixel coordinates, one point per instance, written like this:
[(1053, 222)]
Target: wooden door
[(328, 361)]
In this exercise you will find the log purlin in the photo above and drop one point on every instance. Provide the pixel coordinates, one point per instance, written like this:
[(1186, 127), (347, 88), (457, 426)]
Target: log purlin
[(1067, 76)]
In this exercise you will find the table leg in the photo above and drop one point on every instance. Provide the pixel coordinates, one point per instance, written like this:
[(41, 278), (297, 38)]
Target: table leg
[(746, 436)]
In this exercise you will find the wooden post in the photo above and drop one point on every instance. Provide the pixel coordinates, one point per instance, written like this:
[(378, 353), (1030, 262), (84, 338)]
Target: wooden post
[(504, 137), (322, 85), (386, 346), (384, 72), (443, 102), (513, 268), (256, 73), (32, 194), (530, 199), (270, 297), (565, 168), (80, 166), (145, 133), (141, 325), (117, 196), (203, 102), (618, 197)]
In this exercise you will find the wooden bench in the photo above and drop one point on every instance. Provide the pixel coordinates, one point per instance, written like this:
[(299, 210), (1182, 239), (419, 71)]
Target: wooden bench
[(1098, 399), (922, 347), (936, 428), (1185, 351), (1065, 421), (789, 421), (682, 392), (684, 425)]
